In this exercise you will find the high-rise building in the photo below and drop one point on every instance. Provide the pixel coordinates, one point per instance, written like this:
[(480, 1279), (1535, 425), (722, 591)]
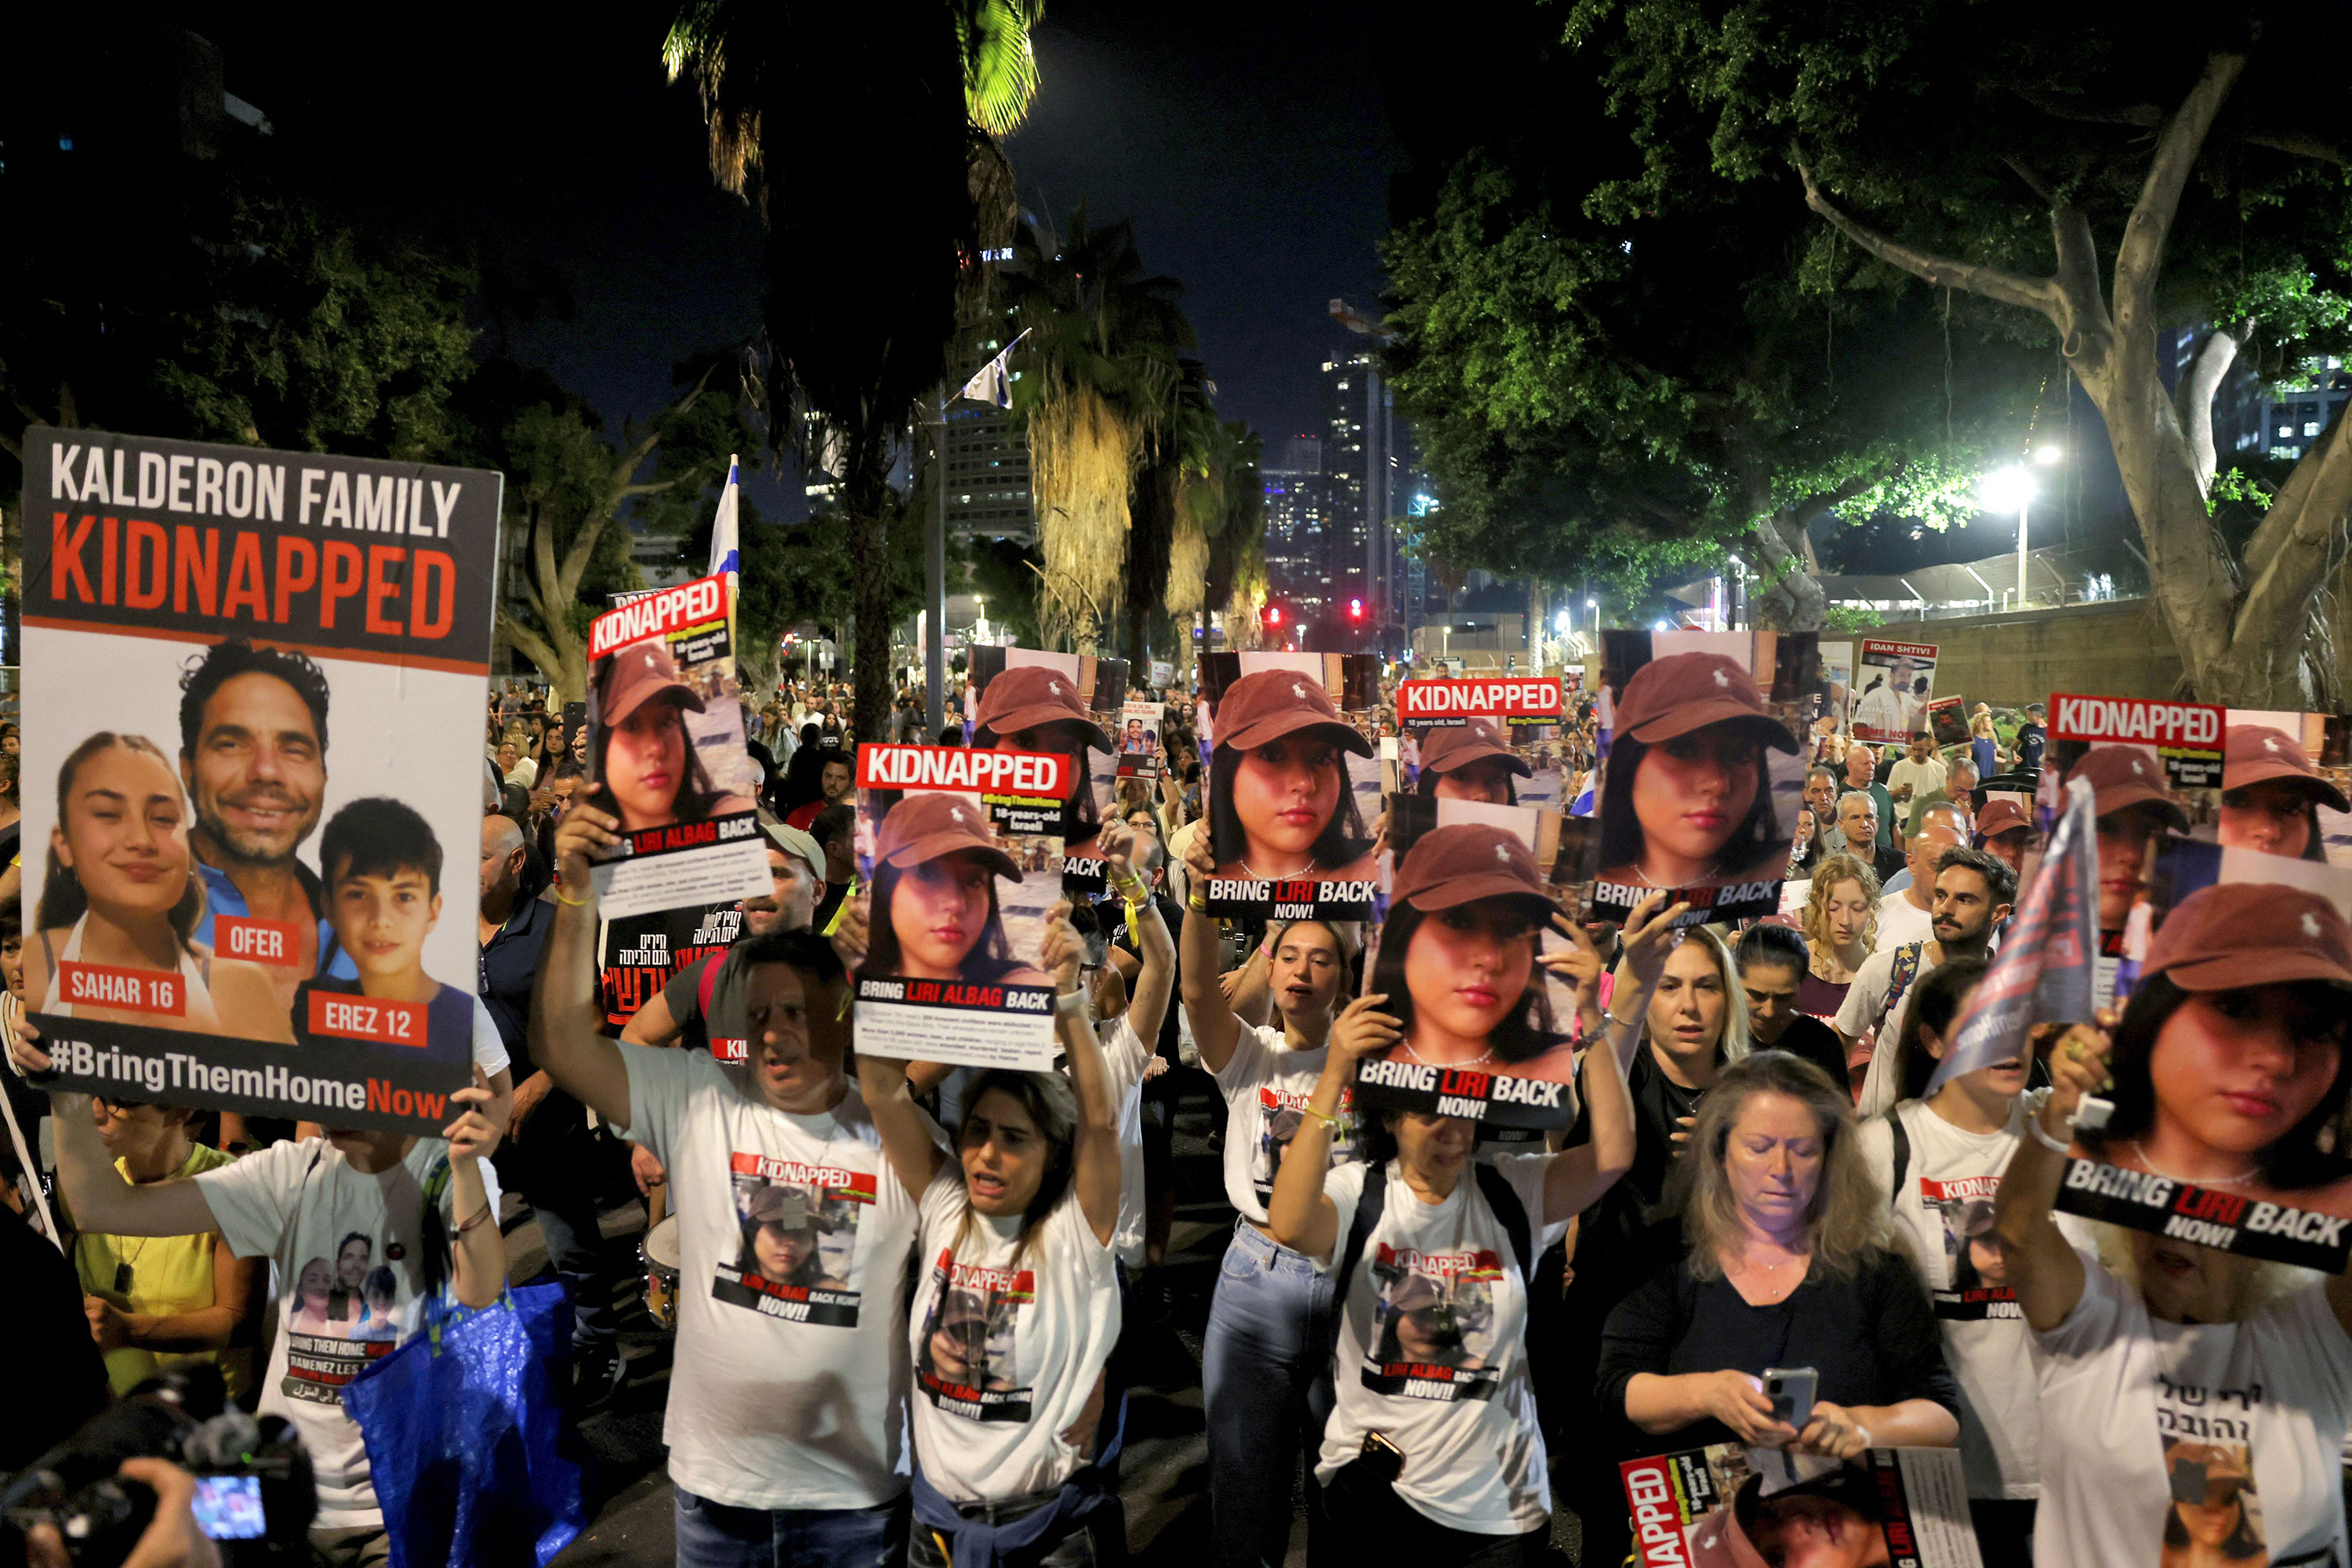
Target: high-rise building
[(1370, 478), (1297, 567), (2253, 419)]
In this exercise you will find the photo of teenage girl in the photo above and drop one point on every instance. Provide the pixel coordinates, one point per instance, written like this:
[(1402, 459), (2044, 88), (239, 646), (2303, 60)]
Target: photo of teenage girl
[(2271, 794), (934, 895), (1280, 803), (1471, 762), (646, 768), (1037, 708), (120, 892), (1686, 795)]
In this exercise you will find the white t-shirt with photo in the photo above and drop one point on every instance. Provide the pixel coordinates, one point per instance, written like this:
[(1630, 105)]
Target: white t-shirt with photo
[(1944, 1214), (1266, 1087), (1459, 1403), (1006, 1347), (2134, 1413), (788, 1389), (350, 1250)]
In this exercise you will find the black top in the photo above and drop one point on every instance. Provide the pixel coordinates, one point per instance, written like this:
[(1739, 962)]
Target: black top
[(53, 1392), (1816, 1042), (2030, 738), (1630, 1232), (1873, 1339), (504, 970)]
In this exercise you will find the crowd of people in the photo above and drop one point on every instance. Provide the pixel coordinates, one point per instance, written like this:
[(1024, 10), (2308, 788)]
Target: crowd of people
[(900, 1291)]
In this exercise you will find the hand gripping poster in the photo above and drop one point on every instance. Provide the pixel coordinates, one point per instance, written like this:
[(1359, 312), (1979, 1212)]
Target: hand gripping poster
[(1715, 1507), (1496, 740), (1066, 703), (1704, 771), (959, 851), (1294, 785), (666, 755), (254, 684)]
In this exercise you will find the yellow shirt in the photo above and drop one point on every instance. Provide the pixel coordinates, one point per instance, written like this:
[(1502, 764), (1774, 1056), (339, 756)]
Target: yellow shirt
[(169, 1274)]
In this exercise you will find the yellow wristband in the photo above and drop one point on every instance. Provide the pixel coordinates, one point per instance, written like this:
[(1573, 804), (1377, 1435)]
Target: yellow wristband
[(1310, 1111), (1198, 903), (575, 903)]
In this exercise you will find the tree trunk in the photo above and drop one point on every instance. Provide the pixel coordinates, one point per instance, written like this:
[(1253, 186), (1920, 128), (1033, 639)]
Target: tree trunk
[(1794, 600), (867, 500)]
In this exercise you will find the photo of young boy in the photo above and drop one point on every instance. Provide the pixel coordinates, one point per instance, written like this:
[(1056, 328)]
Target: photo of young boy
[(383, 876)]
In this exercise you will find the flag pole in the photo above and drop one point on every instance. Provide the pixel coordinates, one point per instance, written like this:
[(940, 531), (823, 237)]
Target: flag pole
[(935, 582)]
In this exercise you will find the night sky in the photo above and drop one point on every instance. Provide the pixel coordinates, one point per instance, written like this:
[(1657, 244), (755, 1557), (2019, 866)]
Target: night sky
[(1249, 148)]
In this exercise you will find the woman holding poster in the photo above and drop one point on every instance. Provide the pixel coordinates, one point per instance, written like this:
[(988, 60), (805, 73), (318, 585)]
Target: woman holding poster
[(1686, 800), (119, 903), (1280, 805), (935, 870), (648, 772)]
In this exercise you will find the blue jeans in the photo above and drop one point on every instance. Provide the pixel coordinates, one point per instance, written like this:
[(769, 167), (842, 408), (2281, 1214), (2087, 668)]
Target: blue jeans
[(1265, 1375), (717, 1535)]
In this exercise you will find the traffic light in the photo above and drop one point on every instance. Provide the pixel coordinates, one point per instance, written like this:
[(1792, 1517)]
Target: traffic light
[(1274, 614), (1355, 609)]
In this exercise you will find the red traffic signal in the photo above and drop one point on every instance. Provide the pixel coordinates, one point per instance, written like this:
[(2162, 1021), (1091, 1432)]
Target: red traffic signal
[(1274, 614), (1355, 609)]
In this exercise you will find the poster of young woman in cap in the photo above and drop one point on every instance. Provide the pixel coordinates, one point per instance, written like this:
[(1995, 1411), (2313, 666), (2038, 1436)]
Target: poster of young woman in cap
[(1067, 703), (1494, 739), (254, 684), (2229, 1062), (1294, 785), (1703, 774), (1707, 1508), (959, 851), (666, 755), (2282, 786), (799, 1225)]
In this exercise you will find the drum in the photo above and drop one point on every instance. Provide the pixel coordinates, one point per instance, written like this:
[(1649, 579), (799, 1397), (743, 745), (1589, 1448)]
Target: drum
[(659, 1251)]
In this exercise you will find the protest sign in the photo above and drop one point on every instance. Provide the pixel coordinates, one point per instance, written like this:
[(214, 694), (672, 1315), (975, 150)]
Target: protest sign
[(1293, 783), (1892, 683), (1139, 739), (1948, 721), (639, 954), (1833, 689), (666, 755), (1713, 1508), (1067, 703), (1491, 739), (227, 651), (1163, 675), (2284, 785), (2227, 1068), (1475, 891), (1703, 772), (961, 851)]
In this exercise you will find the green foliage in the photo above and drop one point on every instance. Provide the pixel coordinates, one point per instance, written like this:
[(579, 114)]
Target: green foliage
[(1845, 620), (2236, 485), (1005, 574)]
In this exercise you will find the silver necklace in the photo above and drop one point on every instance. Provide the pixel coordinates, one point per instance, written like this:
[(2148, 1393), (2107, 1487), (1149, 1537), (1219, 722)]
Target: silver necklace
[(2193, 1181), (1286, 876), (1485, 1055)]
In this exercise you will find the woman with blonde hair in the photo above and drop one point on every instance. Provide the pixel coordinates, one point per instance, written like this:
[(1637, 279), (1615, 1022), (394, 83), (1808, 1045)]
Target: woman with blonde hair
[(1984, 743), (1792, 1263), (1841, 925)]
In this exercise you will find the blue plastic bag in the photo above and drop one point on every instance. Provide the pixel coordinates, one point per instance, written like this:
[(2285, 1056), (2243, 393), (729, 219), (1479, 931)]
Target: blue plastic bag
[(462, 1425)]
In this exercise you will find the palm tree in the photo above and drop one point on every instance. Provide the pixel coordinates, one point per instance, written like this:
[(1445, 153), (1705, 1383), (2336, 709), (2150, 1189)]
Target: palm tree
[(1174, 484), (1099, 372), (1234, 580), (898, 101)]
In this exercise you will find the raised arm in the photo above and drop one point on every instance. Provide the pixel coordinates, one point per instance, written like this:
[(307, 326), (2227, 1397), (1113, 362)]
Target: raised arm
[(653, 1024), (1215, 1028), (1577, 1177), (564, 1037), (906, 1142), (1095, 1168), (1147, 1004), (1301, 1215), (2042, 1268), (481, 1274), (97, 1197)]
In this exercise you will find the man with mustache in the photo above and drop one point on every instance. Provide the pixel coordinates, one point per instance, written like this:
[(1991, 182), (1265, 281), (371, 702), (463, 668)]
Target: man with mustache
[(702, 1006), (1974, 891)]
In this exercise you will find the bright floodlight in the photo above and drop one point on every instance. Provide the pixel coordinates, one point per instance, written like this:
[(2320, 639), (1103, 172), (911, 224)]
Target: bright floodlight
[(1560, 623), (2049, 456), (2005, 489)]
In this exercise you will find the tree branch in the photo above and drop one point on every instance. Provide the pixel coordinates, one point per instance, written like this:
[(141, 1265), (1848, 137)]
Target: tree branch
[(2304, 489), (2301, 542), (2302, 144), (2148, 116), (2037, 294), (2192, 400), (2141, 258), (532, 645)]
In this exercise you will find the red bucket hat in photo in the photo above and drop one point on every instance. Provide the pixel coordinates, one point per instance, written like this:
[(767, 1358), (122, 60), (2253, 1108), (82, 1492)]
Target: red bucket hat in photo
[(2122, 777), (1685, 691), (2236, 934), (639, 673), (1025, 695), (2257, 753), (1448, 866), (1272, 703), (1447, 751), (928, 824)]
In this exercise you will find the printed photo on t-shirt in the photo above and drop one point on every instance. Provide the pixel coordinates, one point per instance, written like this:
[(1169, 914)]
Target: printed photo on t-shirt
[(796, 1229), (1433, 1324), (1280, 1114), (967, 1362), (1972, 1283), (2213, 1515), (345, 1314)]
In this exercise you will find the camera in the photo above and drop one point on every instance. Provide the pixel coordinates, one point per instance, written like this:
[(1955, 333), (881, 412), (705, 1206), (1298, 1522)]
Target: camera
[(254, 1492)]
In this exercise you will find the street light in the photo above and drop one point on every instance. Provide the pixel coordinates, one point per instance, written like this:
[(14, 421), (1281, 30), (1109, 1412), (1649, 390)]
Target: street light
[(2006, 488), (1594, 606)]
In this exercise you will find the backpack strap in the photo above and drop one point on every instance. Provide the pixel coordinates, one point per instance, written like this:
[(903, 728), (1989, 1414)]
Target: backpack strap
[(705, 986), (1369, 1205), (1902, 1156), (1505, 1202)]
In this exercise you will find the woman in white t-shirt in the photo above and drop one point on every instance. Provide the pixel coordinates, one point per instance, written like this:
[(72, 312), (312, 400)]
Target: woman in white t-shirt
[(1940, 1159), (2193, 1401), (1017, 1305), (1434, 1455)]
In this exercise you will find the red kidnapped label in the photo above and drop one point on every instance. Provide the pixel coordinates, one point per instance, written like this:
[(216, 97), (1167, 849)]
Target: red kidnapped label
[(726, 1048), (2191, 725), (964, 770), (1527, 699), (257, 941), (126, 990), (370, 1018)]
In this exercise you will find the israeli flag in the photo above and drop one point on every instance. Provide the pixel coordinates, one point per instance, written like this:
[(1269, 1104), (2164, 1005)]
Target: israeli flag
[(993, 383), (726, 556)]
